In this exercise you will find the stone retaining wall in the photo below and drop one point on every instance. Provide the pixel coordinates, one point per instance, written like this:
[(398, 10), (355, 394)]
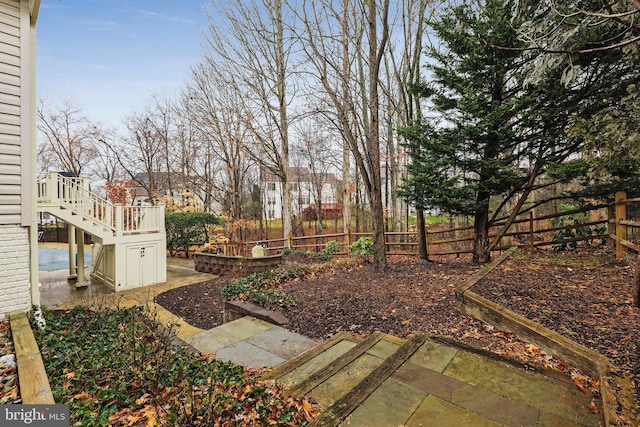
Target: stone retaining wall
[(206, 262)]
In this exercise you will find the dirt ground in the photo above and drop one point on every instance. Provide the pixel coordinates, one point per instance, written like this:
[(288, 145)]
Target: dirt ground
[(585, 295)]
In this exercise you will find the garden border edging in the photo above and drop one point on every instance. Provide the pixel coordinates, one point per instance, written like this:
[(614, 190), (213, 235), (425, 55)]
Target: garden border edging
[(235, 309), (580, 356), (32, 377)]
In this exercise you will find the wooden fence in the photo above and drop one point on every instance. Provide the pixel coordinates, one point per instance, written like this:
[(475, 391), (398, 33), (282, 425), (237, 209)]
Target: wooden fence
[(615, 224)]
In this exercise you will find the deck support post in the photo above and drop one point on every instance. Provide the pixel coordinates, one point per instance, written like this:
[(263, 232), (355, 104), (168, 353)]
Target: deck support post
[(71, 238)]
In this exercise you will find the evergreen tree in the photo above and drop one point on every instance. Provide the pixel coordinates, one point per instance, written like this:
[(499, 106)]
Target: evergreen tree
[(493, 133)]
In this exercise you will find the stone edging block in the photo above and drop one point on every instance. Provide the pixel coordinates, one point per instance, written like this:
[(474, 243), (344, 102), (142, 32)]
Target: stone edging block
[(236, 309)]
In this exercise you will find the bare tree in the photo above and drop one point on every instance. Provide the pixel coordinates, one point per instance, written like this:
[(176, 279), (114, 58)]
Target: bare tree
[(405, 68), (250, 38), (105, 167), (216, 112), (142, 152), (351, 83), (318, 154), (67, 138)]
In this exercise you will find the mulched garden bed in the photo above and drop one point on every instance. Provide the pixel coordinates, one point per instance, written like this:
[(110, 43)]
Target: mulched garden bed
[(593, 295), (585, 296), (9, 389)]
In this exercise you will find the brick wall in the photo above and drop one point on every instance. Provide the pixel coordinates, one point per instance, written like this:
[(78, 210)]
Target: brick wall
[(14, 269)]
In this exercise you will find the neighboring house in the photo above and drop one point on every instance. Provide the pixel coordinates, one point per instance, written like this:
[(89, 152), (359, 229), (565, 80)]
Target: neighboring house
[(302, 191), (18, 219), (172, 190)]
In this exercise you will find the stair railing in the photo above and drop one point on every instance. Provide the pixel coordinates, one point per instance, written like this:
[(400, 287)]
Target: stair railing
[(73, 193)]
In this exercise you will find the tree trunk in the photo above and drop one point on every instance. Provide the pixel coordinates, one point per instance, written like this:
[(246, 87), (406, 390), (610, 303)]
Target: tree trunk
[(319, 216), (347, 188), (636, 284), (423, 251), (375, 193), (379, 246), (287, 223), (481, 253)]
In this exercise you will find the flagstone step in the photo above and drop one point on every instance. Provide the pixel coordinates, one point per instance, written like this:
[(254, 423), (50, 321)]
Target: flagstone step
[(383, 380), (346, 404)]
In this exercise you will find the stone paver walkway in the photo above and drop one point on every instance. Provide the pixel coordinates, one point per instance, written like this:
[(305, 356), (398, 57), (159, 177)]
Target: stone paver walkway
[(247, 341), (251, 342)]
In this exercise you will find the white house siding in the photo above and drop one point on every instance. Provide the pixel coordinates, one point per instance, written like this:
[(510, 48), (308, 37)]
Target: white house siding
[(302, 192), (15, 156), (14, 270), (10, 141), (273, 199)]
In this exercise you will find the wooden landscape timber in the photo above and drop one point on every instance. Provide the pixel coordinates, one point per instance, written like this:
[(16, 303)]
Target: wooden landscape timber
[(576, 354), (34, 383)]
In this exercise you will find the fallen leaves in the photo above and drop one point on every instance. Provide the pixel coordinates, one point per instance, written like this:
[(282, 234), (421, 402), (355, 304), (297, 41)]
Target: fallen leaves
[(82, 396), (9, 391), (128, 374), (589, 304), (593, 407)]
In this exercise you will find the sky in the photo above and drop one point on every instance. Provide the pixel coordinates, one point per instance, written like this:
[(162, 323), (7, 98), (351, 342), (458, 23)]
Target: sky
[(109, 57)]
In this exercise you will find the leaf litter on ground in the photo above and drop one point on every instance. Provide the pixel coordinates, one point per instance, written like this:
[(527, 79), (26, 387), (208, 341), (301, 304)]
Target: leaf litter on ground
[(118, 367)]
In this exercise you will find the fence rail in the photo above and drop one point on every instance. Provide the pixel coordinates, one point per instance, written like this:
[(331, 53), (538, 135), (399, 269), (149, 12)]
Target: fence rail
[(616, 224)]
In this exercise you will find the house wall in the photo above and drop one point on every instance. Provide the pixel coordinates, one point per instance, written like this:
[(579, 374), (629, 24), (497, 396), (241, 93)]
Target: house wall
[(14, 269), (272, 199), (305, 195), (10, 141), (302, 195), (18, 252)]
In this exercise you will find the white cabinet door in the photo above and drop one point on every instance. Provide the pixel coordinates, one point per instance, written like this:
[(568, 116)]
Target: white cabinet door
[(141, 265)]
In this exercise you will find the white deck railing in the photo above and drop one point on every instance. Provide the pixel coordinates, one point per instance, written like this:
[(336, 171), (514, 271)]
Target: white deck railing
[(74, 194)]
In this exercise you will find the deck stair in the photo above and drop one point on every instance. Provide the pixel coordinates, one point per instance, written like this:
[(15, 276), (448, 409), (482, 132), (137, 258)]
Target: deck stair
[(130, 240), (383, 380)]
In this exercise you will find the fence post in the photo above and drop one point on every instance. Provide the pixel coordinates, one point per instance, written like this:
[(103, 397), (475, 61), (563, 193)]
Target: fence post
[(611, 225), (621, 229), (531, 236)]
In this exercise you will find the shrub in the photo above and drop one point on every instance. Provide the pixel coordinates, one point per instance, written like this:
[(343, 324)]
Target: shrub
[(363, 247), (119, 367), (185, 229), (259, 287), (330, 249), (579, 230)]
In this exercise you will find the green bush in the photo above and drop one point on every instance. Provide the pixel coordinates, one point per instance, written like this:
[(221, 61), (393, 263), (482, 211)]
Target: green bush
[(330, 249), (363, 247), (185, 229)]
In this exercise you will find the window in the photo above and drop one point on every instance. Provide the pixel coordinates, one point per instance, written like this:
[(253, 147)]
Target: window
[(271, 186), (294, 186)]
